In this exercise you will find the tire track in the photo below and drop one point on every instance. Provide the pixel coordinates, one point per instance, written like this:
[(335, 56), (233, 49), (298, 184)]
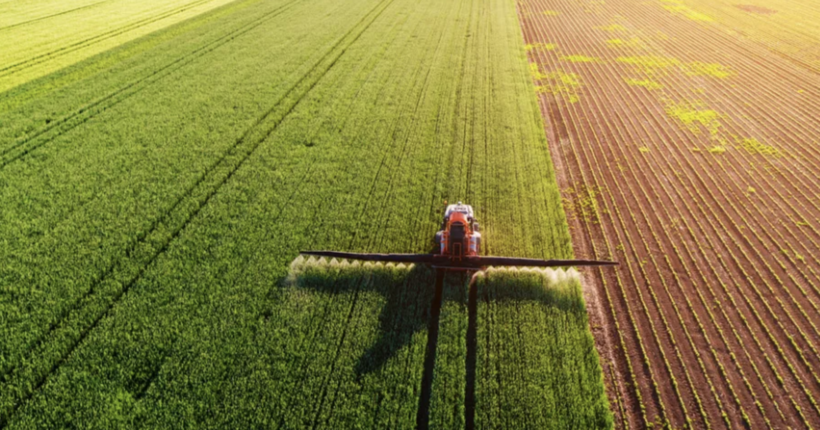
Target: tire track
[(85, 113), (395, 170), (384, 85), (41, 58), (174, 221), (131, 247), (53, 15), (419, 240)]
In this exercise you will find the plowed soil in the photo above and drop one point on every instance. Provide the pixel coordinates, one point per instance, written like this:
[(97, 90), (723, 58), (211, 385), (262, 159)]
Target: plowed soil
[(687, 151)]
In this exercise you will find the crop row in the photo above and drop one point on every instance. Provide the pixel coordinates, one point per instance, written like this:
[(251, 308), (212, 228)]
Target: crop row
[(187, 208), (30, 49), (778, 25), (84, 312), (159, 224), (536, 361), (665, 174)]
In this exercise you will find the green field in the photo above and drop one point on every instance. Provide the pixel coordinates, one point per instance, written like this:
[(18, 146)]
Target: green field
[(535, 354), (154, 195)]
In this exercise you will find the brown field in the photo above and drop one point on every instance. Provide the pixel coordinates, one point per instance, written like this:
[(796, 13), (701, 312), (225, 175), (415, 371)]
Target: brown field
[(686, 138)]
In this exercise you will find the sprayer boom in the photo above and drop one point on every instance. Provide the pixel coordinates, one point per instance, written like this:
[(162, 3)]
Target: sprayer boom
[(469, 262), (459, 246)]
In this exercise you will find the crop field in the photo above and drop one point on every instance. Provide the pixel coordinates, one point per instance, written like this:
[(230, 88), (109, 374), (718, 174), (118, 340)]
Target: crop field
[(684, 134), (162, 164), (534, 352), (30, 49)]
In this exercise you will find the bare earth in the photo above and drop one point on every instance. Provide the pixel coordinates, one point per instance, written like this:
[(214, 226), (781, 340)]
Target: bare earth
[(687, 148)]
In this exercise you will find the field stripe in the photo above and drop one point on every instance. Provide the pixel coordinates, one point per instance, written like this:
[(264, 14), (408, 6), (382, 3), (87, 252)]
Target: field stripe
[(43, 136), (11, 69), (18, 24)]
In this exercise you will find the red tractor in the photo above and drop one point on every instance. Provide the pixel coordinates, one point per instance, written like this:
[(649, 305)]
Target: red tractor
[(459, 236), (459, 248)]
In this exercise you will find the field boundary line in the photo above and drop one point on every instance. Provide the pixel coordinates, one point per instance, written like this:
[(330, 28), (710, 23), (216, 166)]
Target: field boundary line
[(91, 110), (41, 58), (88, 6)]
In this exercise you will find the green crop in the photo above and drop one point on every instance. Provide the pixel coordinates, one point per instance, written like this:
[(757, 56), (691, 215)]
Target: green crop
[(153, 197), (537, 362)]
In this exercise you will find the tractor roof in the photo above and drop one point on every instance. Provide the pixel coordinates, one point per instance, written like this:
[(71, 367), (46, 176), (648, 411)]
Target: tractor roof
[(459, 207)]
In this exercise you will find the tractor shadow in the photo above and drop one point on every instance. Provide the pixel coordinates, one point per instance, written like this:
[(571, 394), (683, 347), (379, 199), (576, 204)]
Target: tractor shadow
[(408, 292), (413, 296), (530, 285)]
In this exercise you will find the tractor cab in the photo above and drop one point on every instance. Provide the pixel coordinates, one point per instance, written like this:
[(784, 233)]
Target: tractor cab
[(460, 208), (459, 236)]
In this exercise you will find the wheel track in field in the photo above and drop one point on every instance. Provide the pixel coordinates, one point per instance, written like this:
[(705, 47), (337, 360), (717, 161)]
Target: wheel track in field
[(352, 319), (51, 329), (41, 58), (384, 85), (417, 222), (85, 113), (138, 239), (304, 364), (421, 217), (410, 131), (88, 6), (394, 171), (422, 418), (196, 197), (387, 151), (275, 220)]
